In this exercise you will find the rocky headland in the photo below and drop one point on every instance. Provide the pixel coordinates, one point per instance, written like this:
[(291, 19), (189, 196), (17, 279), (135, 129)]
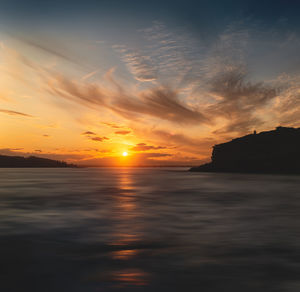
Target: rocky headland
[(276, 151), (32, 161)]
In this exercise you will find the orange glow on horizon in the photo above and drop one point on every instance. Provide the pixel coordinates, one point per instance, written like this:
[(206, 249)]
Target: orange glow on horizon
[(40, 127)]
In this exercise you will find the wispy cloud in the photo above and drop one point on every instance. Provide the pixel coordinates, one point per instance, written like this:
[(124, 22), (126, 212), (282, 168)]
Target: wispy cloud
[(239, 100), (15, 113), (89, 75), (145, 147), (50, 46), (112, 125), (141, 66), (160, 102), (164, 54)]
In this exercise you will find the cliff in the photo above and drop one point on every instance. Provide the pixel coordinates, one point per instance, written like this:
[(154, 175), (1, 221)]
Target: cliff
[(32, 161), (276, 151)]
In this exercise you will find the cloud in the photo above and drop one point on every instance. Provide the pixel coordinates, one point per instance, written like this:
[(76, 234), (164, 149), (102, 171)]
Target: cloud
[(162, 54), (159, 102), (84, 93), (145, 147), (172, 55), (239, 100), (204, 93), (89, 75), (15, 113), (91, 135), (141, 66), (138, 159), (99, 139), (153, 155), (49, 46), (286, 108), (218, 74), (122, 132), (88, 133), (112, 125), (183, 143)]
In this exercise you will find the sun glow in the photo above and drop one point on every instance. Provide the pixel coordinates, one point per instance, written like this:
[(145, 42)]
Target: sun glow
[(124, 153)]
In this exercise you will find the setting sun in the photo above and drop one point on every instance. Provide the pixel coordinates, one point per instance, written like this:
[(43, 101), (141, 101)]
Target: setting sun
[(125, 153)]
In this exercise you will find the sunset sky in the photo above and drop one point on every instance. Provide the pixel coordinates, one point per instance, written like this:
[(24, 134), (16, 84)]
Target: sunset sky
[(85, 81)]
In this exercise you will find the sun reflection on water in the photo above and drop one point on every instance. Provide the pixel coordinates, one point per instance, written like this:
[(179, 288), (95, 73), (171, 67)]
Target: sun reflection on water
[(125, 211), (126, 233), (131, 277), (124, 254)]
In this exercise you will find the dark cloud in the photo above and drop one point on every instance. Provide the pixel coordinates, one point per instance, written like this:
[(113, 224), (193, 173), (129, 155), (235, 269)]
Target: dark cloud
[(145, 147), (14, 113), (99, 139), (112, 125), (159, 102), (153, 155), (46, 135), (195, 145), (88, 133), (122, 132), (91, 135), (239, 101), (90, 95)]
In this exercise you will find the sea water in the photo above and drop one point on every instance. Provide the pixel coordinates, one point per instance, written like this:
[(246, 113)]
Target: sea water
[(148, 229)]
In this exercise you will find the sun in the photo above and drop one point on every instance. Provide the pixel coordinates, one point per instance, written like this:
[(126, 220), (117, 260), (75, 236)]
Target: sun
[(124, 153)]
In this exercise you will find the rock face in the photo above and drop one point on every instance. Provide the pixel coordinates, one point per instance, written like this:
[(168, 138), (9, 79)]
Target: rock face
[(276, 151), (32, 161)]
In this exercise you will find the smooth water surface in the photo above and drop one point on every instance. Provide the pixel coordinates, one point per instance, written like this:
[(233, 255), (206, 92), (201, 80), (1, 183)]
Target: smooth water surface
[(148, 229)]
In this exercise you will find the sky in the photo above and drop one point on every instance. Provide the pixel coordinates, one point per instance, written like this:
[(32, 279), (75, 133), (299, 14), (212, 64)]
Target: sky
[(164, 81)]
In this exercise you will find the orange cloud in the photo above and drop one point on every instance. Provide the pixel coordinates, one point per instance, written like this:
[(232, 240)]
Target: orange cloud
[(122, 132), (88, 133), (145, 147), (99, 139), (112, 125)]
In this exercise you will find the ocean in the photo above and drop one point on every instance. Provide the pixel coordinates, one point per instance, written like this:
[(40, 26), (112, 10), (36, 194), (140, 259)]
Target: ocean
[(148, 229)]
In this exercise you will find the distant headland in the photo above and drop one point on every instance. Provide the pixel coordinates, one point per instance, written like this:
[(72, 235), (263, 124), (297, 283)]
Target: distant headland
[(276, 151), (32, 161)]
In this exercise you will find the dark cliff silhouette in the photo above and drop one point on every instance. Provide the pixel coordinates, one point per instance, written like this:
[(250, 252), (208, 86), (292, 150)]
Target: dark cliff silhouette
[(32, 161), (276, 151)]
